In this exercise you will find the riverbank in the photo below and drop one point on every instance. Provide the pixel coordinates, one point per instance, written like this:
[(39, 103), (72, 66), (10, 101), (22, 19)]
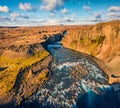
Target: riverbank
[(77, 81)]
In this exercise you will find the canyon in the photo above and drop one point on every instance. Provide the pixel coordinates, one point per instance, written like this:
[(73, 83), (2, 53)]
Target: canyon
[(27, 65)]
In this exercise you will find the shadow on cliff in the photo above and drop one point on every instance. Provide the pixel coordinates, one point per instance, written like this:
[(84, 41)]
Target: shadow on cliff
[(53, 39)]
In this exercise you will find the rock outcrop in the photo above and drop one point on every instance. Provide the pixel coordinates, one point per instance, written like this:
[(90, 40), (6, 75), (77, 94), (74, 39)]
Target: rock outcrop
[(24, 63), (102, 41)]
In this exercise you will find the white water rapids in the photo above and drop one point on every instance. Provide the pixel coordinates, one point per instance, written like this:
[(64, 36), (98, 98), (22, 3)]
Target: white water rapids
[(66, 90)]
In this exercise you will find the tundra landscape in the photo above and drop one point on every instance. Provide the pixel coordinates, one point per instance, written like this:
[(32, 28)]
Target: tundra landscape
[(60, 54), (25, 60)]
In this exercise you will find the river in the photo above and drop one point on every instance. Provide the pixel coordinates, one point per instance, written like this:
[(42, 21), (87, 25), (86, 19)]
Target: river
[(76, 82)]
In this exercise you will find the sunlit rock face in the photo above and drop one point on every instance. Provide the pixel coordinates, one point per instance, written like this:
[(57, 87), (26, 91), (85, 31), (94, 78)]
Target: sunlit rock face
[(102, 41), (77, 82)]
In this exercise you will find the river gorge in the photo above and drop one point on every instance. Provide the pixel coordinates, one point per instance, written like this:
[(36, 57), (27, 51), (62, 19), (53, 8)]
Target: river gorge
[(60, 67), (76, 82)]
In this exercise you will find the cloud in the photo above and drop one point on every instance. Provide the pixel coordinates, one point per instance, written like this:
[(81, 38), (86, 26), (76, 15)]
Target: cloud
[(51, 5), (72, 18), (38, 21), (87, 8), (95, 20), (113, 15), (97, 16), (4, 18), (68, 19), (114, 12), (26, 7), (4, 9), (16, 15), (65, 11), (73, 15), (114, 9), (52, 14), (52, 22)]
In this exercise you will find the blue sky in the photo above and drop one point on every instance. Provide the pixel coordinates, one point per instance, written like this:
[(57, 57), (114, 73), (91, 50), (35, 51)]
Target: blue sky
[(57, 12)]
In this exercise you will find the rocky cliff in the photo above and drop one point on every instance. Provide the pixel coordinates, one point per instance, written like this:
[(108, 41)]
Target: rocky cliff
[(102, 41), (24, 63)]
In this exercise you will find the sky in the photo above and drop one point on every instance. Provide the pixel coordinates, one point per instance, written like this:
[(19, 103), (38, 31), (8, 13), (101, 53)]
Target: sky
[(57, 12)]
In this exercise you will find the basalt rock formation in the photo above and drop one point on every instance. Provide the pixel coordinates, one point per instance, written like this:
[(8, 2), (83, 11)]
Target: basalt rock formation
[(102, 41), (24, 63)]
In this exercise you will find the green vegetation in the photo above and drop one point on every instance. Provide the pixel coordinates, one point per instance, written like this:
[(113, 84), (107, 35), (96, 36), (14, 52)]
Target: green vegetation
[(94, 43), (90, 44), (99, 40), (74, 44), (84, 41), (8, 76)]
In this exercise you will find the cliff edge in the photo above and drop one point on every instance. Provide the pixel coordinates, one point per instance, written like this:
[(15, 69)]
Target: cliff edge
[(102, 41)]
